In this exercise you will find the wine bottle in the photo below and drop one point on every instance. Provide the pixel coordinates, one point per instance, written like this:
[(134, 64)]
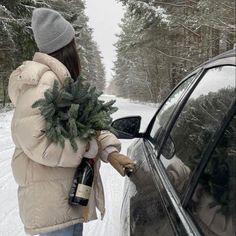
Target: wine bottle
[(82, 183)]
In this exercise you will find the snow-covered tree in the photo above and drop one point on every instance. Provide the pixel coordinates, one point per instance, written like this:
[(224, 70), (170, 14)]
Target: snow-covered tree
[(17, 44), (16, 41), (162, 40), (74, 11)]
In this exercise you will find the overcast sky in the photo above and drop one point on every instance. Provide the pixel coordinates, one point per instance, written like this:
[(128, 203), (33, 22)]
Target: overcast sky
[(104, 17)]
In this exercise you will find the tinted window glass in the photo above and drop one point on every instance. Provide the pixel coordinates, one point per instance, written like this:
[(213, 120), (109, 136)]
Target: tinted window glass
[(197, 123), (213, 204), (164, 114)]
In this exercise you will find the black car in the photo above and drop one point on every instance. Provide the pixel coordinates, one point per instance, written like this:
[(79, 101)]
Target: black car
[(184, 182)]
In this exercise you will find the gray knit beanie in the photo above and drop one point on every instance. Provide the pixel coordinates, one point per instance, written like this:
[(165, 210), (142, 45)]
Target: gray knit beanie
[(51, 31)]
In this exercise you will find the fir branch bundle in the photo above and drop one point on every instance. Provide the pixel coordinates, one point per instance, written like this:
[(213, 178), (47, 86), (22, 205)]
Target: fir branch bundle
[(74, 111)]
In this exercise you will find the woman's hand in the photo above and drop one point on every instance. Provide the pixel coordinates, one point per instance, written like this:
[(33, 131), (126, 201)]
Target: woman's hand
[(120, 162)]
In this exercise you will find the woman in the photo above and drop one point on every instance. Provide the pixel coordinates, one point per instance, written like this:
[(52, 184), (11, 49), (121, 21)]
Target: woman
[(44, 170)]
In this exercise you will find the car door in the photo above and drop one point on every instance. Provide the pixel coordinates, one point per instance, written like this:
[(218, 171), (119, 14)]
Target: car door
[(142, 204), (210, 201), (187, 133)]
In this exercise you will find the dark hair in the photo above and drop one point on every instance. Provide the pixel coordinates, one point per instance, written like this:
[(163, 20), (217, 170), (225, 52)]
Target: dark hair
[(68, 56)]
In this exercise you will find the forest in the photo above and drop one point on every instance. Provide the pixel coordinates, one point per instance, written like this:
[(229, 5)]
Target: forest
[(17, 44), (161, 41)]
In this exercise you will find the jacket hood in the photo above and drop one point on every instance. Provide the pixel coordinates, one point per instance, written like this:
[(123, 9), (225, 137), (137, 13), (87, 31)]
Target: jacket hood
[(53, 64), (30, 73)]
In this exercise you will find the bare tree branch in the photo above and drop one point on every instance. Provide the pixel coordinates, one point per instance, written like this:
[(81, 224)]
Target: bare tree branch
[(226, 24), (190, 30), (226, 5), (173, 4), (171, 56)]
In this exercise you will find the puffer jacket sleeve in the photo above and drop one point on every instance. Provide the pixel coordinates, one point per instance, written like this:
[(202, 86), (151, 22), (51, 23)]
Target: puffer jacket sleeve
[(28, 126), (109, 143)]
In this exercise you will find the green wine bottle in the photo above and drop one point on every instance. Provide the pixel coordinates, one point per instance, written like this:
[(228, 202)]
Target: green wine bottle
[(82, 183)]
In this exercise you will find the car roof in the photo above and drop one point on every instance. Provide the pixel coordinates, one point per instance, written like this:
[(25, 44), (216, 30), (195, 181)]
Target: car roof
[(230, 53), (222, 59), (228, 57), (224, 55)]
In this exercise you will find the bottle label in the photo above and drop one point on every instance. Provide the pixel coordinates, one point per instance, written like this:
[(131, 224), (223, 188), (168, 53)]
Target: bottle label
[(83, 191)]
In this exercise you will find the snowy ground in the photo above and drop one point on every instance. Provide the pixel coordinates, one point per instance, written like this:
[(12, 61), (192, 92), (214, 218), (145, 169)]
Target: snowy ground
[(10, 224)]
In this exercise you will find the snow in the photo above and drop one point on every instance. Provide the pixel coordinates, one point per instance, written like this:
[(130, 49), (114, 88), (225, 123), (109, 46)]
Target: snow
[(10, 223)]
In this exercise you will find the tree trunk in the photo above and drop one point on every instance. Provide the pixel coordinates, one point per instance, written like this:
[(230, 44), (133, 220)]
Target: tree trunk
[(4, 92), (215, 42)]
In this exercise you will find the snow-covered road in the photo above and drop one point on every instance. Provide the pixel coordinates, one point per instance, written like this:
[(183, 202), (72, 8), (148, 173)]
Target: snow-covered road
[(10, 224)]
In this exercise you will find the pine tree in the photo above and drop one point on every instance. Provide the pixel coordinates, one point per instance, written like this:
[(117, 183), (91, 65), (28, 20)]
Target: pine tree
[(17, 44), (161, 41)]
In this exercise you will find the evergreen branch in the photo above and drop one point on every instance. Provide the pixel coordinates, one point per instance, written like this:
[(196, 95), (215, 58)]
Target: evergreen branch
[(74, 111)]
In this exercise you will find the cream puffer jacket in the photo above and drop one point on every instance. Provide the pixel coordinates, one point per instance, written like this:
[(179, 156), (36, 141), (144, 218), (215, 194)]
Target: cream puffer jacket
[(44, 170)]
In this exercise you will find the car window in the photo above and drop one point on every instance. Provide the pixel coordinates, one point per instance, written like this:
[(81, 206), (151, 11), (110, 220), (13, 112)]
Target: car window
[(164, 114), (198, 121), (213, 204)]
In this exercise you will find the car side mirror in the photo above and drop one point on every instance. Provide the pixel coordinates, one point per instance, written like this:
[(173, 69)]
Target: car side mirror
[(127, 127)]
